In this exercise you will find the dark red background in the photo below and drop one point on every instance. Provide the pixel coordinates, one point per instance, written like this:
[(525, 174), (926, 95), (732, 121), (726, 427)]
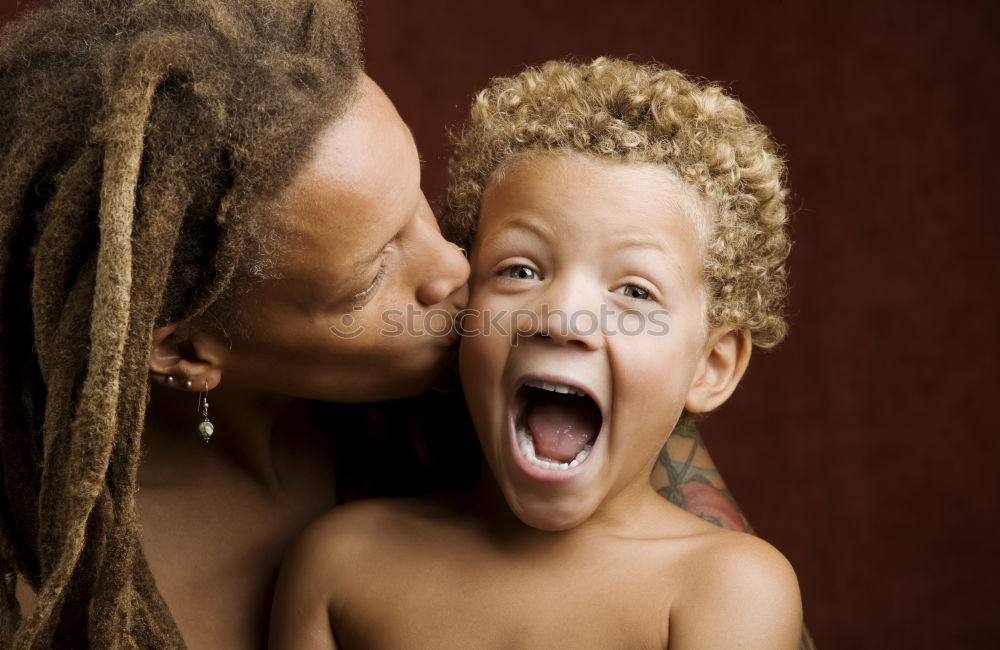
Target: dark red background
[(864, 447)]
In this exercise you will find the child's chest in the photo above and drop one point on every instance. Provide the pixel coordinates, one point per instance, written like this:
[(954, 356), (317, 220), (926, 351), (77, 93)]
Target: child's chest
[(612, 601)]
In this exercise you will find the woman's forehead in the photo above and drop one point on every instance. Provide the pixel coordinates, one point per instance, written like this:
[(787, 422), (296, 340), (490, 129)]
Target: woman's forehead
[(359, 187)]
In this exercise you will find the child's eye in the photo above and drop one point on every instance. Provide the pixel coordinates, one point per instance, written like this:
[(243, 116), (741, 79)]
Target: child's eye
[(519, 272), (634, 291)]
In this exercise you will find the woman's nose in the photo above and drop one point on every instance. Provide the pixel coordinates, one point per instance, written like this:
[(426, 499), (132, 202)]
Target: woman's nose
[(446, 275), (448, 281)]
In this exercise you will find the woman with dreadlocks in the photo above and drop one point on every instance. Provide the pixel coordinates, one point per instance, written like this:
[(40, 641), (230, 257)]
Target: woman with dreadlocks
[(201, 198), (192, 192)]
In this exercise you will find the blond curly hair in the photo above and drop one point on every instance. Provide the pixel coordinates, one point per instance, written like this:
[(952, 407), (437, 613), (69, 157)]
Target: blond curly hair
[(636, 113)]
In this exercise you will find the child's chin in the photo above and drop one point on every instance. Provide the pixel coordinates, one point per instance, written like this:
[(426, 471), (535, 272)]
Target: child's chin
[(546, 515)]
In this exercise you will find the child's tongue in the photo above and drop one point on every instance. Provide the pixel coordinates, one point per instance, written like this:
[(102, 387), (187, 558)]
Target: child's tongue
[(561, 425)]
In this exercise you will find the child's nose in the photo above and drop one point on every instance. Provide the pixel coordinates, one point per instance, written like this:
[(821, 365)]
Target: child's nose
[(570, 314)]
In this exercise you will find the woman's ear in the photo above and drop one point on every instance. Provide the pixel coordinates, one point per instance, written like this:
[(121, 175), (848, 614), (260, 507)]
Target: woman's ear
[(178, 358), (723, 362)]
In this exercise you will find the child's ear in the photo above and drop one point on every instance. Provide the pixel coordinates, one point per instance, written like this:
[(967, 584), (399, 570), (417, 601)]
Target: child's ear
[(723, 362)]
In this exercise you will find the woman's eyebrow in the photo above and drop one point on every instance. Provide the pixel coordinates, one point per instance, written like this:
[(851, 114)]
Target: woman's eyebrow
[(360, 265)]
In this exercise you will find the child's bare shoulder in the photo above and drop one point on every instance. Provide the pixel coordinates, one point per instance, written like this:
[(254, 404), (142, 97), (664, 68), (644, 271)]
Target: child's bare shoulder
[(723, 559), (345, 540), (739, 591), (336, 556)]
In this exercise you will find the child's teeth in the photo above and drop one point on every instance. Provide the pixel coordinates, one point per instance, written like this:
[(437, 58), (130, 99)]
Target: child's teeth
[(527, 446), (556, 388)]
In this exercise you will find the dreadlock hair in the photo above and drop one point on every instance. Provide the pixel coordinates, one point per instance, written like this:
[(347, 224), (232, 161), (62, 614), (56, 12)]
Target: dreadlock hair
[(139, 141)]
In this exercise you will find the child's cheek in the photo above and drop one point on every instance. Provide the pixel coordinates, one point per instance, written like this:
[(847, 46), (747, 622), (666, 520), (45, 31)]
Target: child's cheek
[(481, 359)]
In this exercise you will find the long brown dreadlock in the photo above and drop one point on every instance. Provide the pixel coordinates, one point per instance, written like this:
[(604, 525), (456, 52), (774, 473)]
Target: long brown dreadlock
[(139, 140)]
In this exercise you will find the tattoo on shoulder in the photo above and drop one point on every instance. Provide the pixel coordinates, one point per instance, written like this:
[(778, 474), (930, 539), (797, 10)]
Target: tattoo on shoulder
[(699, 490)]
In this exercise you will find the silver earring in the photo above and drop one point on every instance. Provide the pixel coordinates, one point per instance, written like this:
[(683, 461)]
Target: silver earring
[(205, 427), (170, 379), (188, 384)]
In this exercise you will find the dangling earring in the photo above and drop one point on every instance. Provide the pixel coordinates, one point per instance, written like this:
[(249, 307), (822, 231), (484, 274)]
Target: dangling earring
[(205, 427)]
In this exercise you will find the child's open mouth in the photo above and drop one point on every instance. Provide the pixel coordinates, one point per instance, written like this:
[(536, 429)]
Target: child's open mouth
[(556, 424)]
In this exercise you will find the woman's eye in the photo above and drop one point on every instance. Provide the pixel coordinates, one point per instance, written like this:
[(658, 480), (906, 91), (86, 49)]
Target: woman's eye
[(519, 272), (364, 293), (634, 291)]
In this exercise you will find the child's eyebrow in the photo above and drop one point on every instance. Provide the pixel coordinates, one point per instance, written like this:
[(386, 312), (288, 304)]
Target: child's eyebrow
[(536, 227), (637, 241), (631, 242)]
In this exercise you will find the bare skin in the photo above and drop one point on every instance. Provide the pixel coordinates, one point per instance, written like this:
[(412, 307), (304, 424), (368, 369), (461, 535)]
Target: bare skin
[(554, 554), (214, 535), (456, 573), (359, 239), (266, 474), (685, 474)]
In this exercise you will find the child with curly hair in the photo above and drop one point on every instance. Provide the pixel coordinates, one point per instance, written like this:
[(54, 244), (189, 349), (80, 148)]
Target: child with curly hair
[(627, 235)]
